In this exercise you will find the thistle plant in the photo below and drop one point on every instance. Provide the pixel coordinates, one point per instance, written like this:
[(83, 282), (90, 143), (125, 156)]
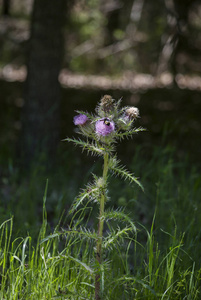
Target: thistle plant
[(101, 132)]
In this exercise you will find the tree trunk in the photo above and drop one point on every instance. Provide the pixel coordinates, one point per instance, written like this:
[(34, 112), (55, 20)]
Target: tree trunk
[(6, 8), (41, 113)]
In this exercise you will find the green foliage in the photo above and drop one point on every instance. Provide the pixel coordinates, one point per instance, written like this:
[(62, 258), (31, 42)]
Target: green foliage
[(45, 272), (151, 259), (117, 169), (91, 192), (88, 146), (129, 133)]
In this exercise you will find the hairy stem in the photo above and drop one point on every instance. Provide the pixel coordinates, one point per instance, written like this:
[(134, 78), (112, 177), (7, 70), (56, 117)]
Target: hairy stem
[(100, 227)]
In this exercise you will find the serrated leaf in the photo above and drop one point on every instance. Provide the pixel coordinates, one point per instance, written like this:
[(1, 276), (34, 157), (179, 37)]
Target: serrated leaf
[(90, 147), (115, 237), (119, 215), (89, 116), (88, 193), (129, 133), (81, 233), (125, 174)]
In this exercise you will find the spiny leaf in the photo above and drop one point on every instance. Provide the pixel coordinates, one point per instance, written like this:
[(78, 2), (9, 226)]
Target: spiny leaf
[(119, 215), (115, 237), (90, 116), (118, 103), (129, 133), (122, 172), (90, 147), (90, 192), (82, 233)]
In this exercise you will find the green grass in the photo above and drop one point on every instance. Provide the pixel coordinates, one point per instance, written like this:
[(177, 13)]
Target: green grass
[(156, 254)]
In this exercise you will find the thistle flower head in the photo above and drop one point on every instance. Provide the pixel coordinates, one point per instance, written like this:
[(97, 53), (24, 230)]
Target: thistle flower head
[(110, 124), (80, 119), (104, 127), (132, 113)]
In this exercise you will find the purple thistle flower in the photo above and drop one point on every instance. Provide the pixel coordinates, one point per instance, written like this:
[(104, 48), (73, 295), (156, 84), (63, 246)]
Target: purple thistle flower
[(104, 127), (80, 119)]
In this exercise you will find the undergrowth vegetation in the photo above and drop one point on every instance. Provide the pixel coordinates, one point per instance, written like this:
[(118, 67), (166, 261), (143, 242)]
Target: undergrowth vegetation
[(158, 256)]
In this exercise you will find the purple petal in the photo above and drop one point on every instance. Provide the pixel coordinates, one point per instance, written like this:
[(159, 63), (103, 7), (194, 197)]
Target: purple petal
[(80, 119), (104, 127)]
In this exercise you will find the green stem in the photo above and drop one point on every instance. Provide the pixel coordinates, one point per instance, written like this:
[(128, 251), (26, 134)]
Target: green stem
[(100, 227)]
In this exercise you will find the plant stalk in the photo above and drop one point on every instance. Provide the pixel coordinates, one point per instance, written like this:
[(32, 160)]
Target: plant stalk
[(100, 228)]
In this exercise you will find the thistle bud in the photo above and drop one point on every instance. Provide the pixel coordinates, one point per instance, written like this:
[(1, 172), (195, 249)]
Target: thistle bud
[(106, 106), (107, 102), (100, 182)]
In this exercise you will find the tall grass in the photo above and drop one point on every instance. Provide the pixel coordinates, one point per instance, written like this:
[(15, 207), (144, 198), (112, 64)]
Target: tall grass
[(158, 257), (65, 268)]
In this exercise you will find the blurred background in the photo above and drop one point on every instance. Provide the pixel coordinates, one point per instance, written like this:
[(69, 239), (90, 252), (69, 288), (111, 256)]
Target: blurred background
[(60, 56)]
